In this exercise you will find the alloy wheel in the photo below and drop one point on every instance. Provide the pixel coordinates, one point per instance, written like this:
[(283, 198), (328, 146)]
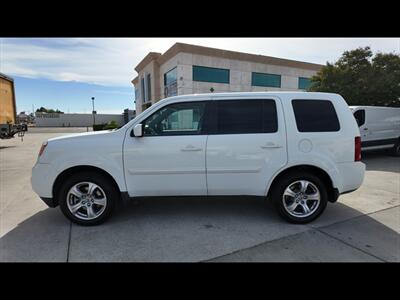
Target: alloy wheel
[(301, 198), (86, 200)]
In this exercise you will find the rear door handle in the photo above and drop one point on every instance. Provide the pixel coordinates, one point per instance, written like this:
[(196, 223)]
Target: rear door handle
[(271, 145), (191, 148)]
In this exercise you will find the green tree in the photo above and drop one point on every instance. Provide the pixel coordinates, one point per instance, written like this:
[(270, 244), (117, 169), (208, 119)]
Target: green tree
[(41, 109), (50, 110), (361, 78)]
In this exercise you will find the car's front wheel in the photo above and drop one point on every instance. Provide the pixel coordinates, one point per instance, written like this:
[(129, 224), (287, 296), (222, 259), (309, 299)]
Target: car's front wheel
[(300, 198), (87, 198)]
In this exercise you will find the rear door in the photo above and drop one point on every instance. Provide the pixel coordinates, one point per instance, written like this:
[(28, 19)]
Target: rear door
[(246, 145)]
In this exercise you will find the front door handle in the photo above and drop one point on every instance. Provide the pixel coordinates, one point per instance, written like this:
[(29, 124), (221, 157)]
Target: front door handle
[(271, 145), (191, 148)]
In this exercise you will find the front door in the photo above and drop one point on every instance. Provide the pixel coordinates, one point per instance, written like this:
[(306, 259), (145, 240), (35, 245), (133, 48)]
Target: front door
[(169, 159)]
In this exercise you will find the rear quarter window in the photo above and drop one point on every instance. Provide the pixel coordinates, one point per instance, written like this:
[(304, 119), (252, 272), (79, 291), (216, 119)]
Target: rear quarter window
[(315, 116)]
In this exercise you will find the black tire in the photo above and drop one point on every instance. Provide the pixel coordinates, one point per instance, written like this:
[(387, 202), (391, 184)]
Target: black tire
[(279, 188), (395, 151), (109, 188)]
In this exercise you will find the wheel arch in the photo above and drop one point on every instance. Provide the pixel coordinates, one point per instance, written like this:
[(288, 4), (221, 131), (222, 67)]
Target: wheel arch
[(77, 169), (322, 174)]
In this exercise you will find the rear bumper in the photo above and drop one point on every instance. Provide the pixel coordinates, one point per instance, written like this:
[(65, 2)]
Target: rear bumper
[(351, 175)]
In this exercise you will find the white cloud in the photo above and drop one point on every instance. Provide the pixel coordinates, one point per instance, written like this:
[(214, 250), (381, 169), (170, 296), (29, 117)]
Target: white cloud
[(111, 61)]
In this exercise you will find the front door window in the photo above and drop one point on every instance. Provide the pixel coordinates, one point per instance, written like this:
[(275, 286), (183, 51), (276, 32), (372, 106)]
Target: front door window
[(176, 119)]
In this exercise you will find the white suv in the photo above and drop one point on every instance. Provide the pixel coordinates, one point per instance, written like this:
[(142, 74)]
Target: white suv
[(298, 149)]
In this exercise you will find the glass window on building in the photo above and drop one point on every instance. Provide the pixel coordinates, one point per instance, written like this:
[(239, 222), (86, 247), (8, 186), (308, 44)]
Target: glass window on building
[(171, 83), (148, 87), (207, 74), (264, 79), (136, 94), (304, 83), (142, 90)]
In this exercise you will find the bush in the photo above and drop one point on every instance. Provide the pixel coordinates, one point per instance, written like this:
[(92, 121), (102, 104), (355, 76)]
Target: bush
[(104, 126), (111, 125), (98, 127)]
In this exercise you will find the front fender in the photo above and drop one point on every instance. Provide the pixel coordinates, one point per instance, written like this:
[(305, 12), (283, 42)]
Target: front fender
[(113, 170), (103, 151)]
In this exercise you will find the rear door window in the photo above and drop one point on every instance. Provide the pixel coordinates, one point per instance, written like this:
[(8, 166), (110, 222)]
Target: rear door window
[(315, 116), (246, 116)]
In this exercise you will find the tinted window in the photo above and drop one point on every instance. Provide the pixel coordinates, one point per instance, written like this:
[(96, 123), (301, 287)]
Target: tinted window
[(170, 83), (210, 74), (304, 83), (359, 115), (170, 77), (142, 89), (315, 116), (148, 87), (246, 116), (176, 119), (263, 79)]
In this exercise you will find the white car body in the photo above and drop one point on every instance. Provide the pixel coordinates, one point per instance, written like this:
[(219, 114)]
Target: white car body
[(380, 126), (214, 164)]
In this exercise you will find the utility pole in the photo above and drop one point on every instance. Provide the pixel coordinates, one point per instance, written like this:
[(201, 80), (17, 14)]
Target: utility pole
[(93, 112)]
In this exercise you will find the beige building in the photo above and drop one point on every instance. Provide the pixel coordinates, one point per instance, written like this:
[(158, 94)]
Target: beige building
[(189, 69)]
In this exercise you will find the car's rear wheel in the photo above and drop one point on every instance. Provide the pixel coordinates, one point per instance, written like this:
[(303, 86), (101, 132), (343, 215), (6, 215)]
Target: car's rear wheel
[(300, 198), (396, 149), (87, 198)]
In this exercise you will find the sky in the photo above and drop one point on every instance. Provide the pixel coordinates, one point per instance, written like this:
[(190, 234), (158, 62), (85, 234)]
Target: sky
[(64, 73)]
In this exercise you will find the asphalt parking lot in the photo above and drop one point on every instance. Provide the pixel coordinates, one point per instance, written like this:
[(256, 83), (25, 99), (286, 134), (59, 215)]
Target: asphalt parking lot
[(361, 226)]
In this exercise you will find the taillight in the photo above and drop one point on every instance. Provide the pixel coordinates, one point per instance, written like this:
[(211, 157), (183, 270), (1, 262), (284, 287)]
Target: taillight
[(42, 148), (357, 149)]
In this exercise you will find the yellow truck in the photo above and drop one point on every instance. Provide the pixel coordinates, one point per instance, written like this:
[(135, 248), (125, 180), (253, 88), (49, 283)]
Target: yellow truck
[(8, 113)]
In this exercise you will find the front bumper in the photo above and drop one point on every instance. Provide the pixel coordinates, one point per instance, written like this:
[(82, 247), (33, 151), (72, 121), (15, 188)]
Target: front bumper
[(49, 201), (42, 180)]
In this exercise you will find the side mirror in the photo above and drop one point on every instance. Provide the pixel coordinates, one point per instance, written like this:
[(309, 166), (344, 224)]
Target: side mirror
[(138, 130)]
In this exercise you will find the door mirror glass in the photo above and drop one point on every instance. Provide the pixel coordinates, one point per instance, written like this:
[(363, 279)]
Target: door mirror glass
[(138, 130)]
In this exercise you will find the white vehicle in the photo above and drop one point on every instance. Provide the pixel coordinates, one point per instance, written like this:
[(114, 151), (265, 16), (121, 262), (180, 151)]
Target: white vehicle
[(298, 149), (379, 127)]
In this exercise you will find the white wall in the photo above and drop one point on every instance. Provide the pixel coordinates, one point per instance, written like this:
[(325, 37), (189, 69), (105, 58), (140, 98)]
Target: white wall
[(75, 120)]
